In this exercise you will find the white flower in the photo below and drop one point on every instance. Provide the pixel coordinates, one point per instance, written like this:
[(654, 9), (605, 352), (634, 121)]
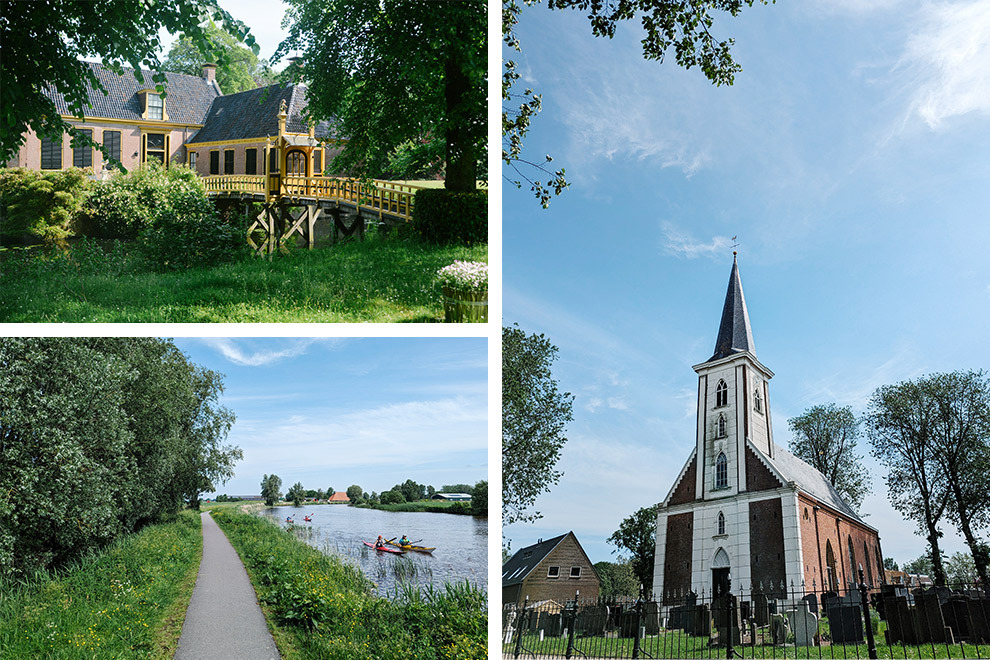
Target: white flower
[(465, 275)]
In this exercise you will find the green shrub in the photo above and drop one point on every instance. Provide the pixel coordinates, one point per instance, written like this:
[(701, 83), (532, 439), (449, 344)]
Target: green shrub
[(442, 217), (193, 239), (43, 205), (129, 203)]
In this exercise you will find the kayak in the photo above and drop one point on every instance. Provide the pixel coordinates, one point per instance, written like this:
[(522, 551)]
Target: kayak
[(385, 549), (308, 519), (416, 548)]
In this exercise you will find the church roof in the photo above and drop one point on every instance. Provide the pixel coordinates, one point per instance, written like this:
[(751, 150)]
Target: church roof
[(810, 480), (734, 333), (526, 559)]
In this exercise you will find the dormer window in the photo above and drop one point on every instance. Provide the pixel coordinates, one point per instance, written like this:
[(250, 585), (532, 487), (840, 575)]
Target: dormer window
[(153, 105), (758, 401), (721, 394), (721, 471), (720, 431)]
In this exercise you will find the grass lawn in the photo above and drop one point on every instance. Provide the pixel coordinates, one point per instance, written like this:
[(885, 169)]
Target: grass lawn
[(380, 279), (126, 601)]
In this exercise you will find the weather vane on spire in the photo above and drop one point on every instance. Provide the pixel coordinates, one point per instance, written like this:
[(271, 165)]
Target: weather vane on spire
[(735, 244)]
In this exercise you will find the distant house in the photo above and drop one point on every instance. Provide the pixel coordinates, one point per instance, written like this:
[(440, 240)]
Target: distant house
[(339, 498), (549, 570), (907, 579), (452, 497)]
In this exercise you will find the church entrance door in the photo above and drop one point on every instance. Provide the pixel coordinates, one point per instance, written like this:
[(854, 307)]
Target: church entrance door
[(720, 581)]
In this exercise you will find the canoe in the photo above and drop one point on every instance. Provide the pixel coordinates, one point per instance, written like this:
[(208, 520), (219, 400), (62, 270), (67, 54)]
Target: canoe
[(416, 548), (385, 549)]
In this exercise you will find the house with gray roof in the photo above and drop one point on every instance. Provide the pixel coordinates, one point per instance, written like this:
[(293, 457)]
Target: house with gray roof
[(552, 570), (744, 513), (192, 123)]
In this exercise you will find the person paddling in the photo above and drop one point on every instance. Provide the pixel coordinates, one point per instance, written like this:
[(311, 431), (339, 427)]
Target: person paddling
[(380, 543), (405, 540)]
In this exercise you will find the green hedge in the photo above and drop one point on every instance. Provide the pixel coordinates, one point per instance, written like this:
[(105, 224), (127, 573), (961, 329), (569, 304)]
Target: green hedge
[(45, 205), (443, 217)]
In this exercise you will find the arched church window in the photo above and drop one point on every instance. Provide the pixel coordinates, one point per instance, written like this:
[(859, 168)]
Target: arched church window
[(721, 471), (720, 524), (721, 433), (852, 560), (830, 566), (869, 564), (758, 401), (721, 394)]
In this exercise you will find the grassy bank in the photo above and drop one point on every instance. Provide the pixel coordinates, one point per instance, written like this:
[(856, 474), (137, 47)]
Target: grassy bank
[(320, 607), (429, 506), (126, 601), (381, 279)]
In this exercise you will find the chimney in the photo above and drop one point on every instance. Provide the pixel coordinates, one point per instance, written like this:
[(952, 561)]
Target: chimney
[(210, 71)]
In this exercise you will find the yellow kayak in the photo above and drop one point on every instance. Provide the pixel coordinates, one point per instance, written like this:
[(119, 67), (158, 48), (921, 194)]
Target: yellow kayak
[(415, 548)]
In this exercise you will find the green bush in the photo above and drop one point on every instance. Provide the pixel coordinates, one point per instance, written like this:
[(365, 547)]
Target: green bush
[(129, 203), (442, 217), (43, 205), (190, 240)]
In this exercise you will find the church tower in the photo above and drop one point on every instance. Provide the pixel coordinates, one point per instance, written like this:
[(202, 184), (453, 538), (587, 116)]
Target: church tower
[(743, 511)]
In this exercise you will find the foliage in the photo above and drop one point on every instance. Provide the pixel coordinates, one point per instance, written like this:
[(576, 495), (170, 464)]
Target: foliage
[(242, 70), (960, 569), (457, 488), (920, 566), (375, 280), (45, 42), (178, 241), (479, 499), (354, 493), (617, 579), (393, 496), (325, 605), (396, 71), (890, 564), (296, 494), (637, 535), (684, 25), (442, 217), (534, 414), (130, 203), (416, 159), (125, 601), (825, 438), (43, 205), (411, 490), (271, 485), (98, 437), (464, 276)]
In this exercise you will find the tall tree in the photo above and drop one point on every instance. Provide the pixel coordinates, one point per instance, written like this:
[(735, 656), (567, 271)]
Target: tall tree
[(354, 493), (271, 485), (961, 439), (296, 493), (241, 71), (617, 579), (395, 71), (889, 564), (684, 25), (534, 416), (825, 437), (920, 566), (637, 535), (900, 423), (479, 499), (44, 41), (960, 569)]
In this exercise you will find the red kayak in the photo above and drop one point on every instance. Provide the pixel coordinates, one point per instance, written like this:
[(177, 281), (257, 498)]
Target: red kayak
[(385, 549)]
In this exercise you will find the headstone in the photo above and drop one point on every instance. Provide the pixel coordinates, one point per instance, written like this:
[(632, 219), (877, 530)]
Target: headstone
[(845, 623), (701, 621), (812, 601), (900, 620), (803, 624), (930, 621), (828, 598), (628, 623), (651, 618), (778, 629), (761, 609), (552, 624), (979, 618), (591, 620), (725, 612)]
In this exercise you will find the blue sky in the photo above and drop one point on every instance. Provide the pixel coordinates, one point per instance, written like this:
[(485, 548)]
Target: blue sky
[(851, 160), (333, 412)]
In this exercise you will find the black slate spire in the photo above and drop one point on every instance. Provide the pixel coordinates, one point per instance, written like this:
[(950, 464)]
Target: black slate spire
[(734, 334)]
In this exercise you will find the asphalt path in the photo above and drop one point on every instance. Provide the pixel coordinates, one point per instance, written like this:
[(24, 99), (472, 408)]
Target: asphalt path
[(223, 620)]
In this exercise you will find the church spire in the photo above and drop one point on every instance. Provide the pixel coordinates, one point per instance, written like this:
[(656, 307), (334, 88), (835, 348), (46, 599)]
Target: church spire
[(734, 334)]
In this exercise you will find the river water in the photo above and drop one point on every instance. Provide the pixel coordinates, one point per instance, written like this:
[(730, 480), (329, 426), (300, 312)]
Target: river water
[(461, 543)]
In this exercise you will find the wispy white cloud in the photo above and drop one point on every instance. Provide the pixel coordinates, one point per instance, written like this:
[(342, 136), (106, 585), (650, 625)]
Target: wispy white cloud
[(240, 352), (680, 243), (948, 57), (853, 7)]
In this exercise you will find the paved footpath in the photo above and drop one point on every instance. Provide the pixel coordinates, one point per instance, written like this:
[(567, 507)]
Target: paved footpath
[(223, 620)]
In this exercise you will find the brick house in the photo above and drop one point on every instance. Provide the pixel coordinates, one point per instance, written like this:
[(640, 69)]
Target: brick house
[(549, 570), (339, 498), (744, 507), (194, 124)]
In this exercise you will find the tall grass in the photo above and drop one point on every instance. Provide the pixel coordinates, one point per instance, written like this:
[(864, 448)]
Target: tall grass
[(326, 608), (381, 279), (126, 601)]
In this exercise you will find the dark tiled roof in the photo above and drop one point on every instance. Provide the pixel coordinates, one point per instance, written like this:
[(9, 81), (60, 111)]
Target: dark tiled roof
[(523, 562), (734, 334), (187, 101), (254, 114)]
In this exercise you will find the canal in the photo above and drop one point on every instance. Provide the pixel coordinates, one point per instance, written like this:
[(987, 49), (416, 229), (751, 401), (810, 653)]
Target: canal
[(461, 543)]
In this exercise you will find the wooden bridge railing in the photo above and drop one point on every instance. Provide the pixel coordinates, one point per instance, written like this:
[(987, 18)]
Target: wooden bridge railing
[(385, 197)]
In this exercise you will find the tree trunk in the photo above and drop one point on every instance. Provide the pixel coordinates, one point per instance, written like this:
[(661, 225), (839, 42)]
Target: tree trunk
[(461, 161), (965, 524), (937, 568)]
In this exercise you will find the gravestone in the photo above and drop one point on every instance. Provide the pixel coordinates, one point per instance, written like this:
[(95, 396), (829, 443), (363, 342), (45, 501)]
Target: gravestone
[(778, 629), (551, 624), (628, 623), (725, 612), (701, 621), (845, 623), (930, 621), (761, 609), (803, 624), (651, 618), (591, 620), (679, 618), (812, 601), (979, 617), (900, 620)]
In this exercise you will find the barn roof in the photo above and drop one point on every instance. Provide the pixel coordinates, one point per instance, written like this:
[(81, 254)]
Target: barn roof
[(254, 114)]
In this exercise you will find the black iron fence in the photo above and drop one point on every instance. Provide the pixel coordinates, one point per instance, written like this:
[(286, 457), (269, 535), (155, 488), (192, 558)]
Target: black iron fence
[(891, 621)]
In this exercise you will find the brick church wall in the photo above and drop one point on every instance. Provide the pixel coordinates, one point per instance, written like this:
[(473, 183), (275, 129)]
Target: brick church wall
[(758, 476), (677, 561), (684, 492), (836, 529), (766, 545)]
